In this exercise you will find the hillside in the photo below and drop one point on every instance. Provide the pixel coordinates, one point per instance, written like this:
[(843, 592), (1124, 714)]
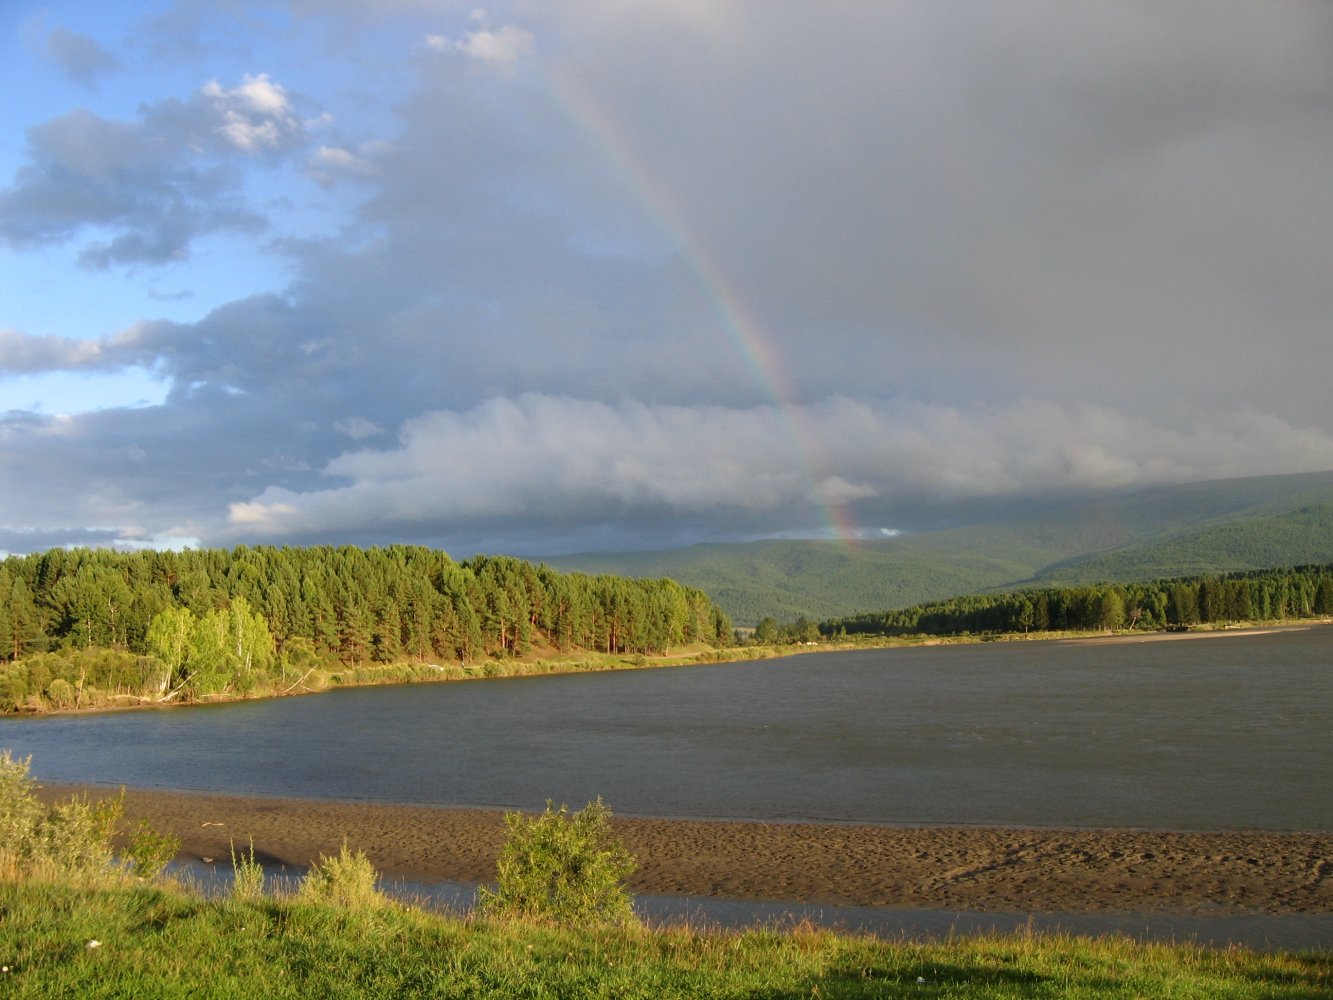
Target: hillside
[(1218, 526)]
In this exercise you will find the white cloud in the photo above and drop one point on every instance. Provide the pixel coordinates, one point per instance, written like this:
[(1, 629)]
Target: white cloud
[(329, 164), (503, 48), (578, 463), (255, 115)]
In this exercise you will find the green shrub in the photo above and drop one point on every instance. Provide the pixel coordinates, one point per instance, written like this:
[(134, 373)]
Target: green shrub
[(149, 852), (247, 874), (20, 812), (71, 840), (61, 693), (348, 879), (563, 868)]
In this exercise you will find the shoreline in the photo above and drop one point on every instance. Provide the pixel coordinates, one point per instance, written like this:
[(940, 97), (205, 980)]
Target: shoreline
[(964, 868), (709, 656)]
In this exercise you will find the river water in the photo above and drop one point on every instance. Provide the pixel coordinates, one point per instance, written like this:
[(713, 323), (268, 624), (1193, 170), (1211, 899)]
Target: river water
[(1216, 733)]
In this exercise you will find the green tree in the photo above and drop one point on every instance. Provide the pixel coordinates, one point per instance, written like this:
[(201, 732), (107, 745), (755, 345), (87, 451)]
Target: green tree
[(1110, 613), (766, 631), (20, 625), (169, 638)]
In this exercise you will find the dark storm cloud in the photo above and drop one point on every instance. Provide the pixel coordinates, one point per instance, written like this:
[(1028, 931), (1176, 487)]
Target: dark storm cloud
[(1068, 199)]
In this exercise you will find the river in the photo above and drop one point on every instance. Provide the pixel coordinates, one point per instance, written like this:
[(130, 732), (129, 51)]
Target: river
[(1218, 733)]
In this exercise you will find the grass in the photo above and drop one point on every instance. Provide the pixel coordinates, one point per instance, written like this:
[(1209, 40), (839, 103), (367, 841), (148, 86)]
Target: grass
[(165, 942)]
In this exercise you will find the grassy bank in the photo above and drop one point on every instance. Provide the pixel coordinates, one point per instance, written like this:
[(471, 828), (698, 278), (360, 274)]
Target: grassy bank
[(539, 662), (163, 942), (81, 697)]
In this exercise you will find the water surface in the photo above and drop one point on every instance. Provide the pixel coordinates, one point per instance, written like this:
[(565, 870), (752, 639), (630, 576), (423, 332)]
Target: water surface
[(1220, 733)]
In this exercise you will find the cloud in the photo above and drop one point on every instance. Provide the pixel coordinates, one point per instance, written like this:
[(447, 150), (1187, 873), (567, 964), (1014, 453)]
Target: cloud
[(143, 191), (21, 353), (330, 164), (697, 269), (358, 428), (25, 354), (254, 116), (80, 56), (502, 48), (963, 188), (580, 465)]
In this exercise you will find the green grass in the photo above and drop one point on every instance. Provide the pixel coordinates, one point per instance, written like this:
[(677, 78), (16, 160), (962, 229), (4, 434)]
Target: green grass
[(161, 942)]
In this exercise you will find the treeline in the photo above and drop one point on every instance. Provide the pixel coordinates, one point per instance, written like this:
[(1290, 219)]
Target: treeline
[(244, 611), (1264, 595)]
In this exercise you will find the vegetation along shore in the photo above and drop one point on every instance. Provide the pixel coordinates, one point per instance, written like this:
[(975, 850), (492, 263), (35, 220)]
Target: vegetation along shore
[(94, 629)]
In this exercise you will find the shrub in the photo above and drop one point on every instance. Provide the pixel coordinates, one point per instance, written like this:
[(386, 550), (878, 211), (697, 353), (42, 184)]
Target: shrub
[(20, 812), (345, 880), (149, 852), (247, 874), (563, 868), (73, 839), (70, 840), (61, 693)]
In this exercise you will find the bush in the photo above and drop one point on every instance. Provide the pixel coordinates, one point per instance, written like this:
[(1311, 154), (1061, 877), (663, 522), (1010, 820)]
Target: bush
[(61, 693), (70, 840), (149, 852), (345, 880), (20, 812), (563, 868), (73, 839)]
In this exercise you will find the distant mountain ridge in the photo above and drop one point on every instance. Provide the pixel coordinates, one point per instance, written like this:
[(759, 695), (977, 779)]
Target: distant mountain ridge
[(1196, 528)]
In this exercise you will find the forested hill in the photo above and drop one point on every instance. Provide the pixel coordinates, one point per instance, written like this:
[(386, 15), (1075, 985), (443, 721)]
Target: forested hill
[(1301, 592), (350, 604), (1198, 528)]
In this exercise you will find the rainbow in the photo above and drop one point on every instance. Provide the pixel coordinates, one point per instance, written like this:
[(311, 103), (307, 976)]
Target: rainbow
[(744, 330)]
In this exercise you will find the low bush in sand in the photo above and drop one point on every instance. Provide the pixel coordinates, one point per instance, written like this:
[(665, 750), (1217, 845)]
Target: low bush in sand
[(149, 852), (562, 868), (344, 879)]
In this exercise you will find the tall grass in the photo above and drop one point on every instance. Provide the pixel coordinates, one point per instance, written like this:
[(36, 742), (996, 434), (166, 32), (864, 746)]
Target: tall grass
[(247, 874)]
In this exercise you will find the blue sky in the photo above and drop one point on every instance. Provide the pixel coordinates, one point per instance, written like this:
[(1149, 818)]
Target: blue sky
[(543, 277)]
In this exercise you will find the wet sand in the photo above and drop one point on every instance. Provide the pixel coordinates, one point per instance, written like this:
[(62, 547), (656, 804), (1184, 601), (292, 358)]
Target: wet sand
[(982, 869)]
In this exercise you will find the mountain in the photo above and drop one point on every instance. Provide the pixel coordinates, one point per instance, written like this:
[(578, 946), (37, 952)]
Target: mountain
[(1197, 528)]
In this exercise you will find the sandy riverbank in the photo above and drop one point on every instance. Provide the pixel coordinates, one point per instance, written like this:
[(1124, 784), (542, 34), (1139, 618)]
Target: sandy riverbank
[(1220, 633), (964, 868)]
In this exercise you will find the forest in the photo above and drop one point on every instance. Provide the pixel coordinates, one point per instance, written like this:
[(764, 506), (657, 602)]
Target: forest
[(203, 622), (1259, 595)]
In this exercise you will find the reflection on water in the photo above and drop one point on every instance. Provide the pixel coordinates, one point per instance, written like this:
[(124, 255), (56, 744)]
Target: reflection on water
[(1218, 734)]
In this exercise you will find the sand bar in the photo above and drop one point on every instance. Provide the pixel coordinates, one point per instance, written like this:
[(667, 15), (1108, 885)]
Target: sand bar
[(962, 868)]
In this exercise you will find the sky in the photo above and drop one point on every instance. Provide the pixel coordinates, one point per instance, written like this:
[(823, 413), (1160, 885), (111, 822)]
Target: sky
[(618, 274)]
